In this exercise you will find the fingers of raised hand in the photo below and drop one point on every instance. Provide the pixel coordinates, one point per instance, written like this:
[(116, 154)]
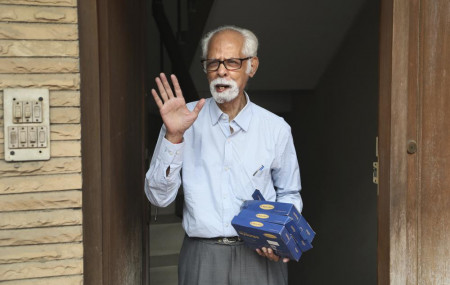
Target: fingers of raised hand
[(162, 90), (176, 86), (199, 106), (157, 99), (164, 87)]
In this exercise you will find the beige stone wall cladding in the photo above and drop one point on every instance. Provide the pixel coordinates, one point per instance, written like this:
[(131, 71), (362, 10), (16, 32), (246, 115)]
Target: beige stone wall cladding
[(40, 201)]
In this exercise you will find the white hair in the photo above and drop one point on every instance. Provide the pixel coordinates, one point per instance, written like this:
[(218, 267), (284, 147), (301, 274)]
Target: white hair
[(250, 47)]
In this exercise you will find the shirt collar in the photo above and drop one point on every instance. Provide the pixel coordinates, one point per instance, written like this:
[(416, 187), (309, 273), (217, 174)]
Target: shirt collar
[(242, 119)]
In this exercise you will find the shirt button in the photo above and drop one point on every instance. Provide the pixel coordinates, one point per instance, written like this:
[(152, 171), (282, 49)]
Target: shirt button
[(226, 168), (170, 152)]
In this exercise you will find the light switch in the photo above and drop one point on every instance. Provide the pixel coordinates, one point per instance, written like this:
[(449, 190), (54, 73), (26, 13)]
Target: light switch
[(17, 112), (27, 112), (23, 137), (42, 137), (32, 137), (13, 137), (26, 124), (37, 113)]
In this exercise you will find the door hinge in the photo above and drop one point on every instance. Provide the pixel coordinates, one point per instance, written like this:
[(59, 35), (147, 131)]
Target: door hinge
[(375, 172), (375, 164)]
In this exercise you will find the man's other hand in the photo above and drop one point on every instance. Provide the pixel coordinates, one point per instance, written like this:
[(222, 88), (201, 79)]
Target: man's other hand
[(268, 252)]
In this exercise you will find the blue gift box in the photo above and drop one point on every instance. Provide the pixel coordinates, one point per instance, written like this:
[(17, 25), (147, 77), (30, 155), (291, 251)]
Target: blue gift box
[(286, 221), (305, 230), (304, 245), (258, 233), (284, 209), (258, 196)]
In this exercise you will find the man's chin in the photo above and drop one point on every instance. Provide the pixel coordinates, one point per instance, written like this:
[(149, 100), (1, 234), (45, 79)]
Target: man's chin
[(221, 97)]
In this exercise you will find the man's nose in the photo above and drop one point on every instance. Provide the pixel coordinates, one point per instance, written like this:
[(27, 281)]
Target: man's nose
[(222, 71)]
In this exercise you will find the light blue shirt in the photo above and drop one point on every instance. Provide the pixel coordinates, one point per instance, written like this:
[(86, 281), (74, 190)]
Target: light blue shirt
[(221, 168)]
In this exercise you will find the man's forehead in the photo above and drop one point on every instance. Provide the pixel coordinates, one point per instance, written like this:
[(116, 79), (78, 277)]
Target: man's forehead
[(228, 33), (230, 37)]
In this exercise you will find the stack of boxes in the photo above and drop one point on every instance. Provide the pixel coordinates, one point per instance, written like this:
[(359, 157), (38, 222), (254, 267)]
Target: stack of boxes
[(273, 225)]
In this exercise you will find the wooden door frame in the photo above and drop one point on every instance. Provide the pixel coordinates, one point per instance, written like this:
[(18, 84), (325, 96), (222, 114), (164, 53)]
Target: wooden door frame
[(396, 54), (91, 142), (397, 211), (97, 150)]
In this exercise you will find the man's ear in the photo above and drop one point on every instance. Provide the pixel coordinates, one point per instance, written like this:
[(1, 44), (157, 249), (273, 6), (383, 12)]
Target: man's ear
[(254, 63)]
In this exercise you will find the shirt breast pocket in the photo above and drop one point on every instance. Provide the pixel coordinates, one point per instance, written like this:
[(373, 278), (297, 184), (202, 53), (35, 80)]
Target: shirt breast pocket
[(262, 180)]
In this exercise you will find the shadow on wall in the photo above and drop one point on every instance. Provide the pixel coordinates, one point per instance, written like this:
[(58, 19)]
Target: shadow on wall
[(334, 131)]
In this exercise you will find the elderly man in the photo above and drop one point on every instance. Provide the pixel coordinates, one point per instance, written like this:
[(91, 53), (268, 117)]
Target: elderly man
[(225, 147)]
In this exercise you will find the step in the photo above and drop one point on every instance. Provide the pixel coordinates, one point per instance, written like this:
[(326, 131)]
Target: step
[(166, 238), (165, 275), (163, 211), (164, 219), (164, 260)]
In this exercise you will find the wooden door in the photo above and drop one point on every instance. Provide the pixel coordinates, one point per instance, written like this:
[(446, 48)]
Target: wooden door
[(414, 143), (112, 141)]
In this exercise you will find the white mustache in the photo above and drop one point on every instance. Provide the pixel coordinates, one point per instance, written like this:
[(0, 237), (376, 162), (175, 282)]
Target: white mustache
[(223, 81)]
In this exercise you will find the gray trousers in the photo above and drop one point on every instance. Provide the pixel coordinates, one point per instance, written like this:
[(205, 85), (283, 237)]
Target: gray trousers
[(204, 262)]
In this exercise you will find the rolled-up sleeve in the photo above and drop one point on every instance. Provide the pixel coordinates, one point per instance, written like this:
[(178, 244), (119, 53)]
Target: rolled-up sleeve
[(161, 189)]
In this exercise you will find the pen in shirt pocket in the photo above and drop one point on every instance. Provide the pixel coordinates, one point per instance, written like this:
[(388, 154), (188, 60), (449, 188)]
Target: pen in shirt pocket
[(258, 170)]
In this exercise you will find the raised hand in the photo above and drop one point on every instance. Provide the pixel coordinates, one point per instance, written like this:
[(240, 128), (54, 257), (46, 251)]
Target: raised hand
[(176, 116)]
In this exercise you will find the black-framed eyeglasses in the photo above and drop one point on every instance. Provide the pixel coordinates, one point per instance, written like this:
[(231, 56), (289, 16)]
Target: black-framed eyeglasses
[(229, 63)]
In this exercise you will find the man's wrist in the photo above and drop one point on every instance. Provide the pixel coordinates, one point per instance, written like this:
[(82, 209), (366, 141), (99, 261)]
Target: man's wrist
[(175, 139)]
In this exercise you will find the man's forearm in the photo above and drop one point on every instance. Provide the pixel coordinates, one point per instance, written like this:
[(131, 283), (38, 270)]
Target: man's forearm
[(161, 186), (292, 197), (163, 178)]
